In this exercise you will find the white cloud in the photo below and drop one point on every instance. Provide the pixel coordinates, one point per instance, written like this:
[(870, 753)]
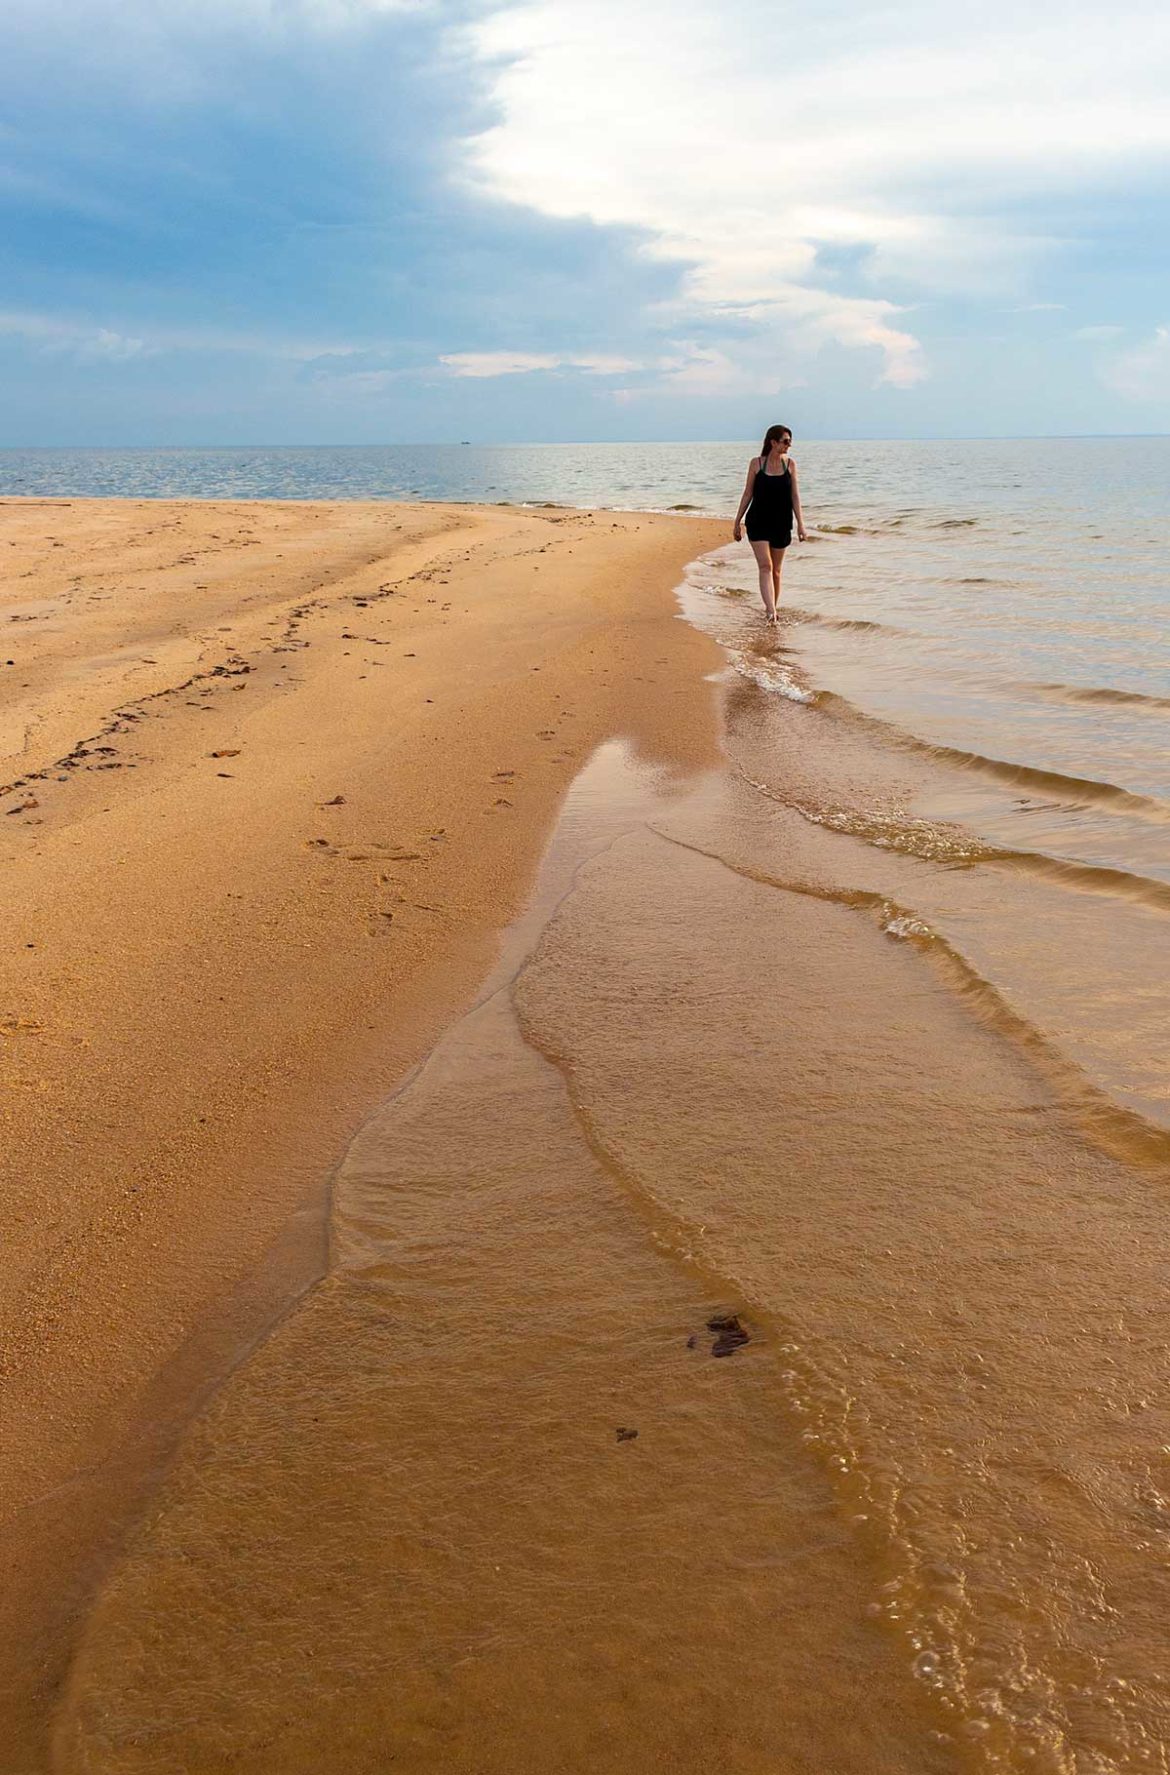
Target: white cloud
[(86, 339), (77, 338), (481, 364), (118, 348), (742, 141)]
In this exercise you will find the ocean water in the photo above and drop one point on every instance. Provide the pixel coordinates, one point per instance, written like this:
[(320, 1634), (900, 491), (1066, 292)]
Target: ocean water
[(630, 476), (861, 1041), (1103, 484)]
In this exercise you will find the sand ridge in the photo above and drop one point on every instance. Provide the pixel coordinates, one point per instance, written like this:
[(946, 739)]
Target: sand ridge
[(275, 776)]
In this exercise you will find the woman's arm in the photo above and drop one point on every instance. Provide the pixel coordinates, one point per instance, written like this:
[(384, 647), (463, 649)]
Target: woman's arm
[(801, 533), (746, 499)]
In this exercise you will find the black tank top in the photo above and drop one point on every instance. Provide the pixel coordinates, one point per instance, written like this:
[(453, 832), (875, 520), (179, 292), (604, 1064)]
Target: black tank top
[(772, 494)]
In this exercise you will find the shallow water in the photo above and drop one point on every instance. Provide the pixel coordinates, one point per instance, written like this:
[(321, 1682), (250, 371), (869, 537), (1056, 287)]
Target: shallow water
[(494, 1497), (861, 1039), (917, 1523), (992, 697)]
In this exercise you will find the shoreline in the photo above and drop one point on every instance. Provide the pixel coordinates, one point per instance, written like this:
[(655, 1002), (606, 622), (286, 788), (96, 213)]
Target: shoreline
[(506, 1370), (146, 1259), (464, 1486)]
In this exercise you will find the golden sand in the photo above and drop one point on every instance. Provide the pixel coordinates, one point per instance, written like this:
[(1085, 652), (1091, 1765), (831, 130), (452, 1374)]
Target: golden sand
[(474, 1490), (275, 776)]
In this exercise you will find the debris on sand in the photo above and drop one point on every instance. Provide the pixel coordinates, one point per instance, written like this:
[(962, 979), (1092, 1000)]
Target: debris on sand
[(729, 1334)]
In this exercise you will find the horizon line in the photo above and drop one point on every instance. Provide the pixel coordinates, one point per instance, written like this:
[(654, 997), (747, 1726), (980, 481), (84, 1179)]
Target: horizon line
[(623, 443)]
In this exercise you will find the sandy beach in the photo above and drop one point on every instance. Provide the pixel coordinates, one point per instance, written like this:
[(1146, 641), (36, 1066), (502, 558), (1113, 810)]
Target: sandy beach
[(275, 776), (576, 1200)]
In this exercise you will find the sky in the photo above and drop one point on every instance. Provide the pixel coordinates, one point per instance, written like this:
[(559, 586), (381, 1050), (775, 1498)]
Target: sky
[(383, 221)]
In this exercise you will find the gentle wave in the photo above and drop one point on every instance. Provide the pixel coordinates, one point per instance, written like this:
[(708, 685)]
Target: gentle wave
[(847, 530), (935, 841), (1094, 694), (1062, 786), (1119, 1132), (844, 624), (929, 840), (772, 675), (1087, 878), (1066, 788)]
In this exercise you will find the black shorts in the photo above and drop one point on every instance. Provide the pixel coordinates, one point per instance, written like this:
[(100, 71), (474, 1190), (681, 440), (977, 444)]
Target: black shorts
[(779, 541)]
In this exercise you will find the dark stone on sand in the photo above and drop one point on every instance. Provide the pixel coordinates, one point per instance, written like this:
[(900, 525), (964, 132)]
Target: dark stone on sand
[(730, 1334), (624, 1435)]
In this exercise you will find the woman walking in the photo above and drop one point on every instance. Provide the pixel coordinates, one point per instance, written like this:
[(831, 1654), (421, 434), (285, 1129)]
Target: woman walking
[(771, 500)]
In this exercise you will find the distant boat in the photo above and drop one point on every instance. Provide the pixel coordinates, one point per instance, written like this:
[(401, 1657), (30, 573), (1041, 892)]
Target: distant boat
[(465, 440)]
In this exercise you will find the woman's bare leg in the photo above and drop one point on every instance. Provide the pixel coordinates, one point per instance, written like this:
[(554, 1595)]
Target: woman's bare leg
[(763, 554), (777, 570)]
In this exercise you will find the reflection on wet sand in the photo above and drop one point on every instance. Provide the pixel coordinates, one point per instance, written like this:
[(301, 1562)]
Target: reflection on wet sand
[(745, 1339), (514, 1488)]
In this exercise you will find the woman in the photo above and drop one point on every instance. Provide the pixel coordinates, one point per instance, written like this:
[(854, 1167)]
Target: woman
[(771, 499)]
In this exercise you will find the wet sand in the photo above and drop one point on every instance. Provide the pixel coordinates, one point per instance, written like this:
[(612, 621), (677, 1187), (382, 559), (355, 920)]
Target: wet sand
[(734, 1350), (275, 776), (513, 1488), (743, 1336)]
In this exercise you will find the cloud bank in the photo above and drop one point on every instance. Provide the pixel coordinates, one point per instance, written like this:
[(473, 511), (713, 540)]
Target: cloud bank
[(377, 219), (744, 141)]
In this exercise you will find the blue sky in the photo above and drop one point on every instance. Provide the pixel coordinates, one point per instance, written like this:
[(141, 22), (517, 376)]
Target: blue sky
[(364, 221)]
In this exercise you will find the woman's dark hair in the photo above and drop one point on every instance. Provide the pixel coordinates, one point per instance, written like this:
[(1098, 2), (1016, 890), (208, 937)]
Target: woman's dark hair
[(772, 436)]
